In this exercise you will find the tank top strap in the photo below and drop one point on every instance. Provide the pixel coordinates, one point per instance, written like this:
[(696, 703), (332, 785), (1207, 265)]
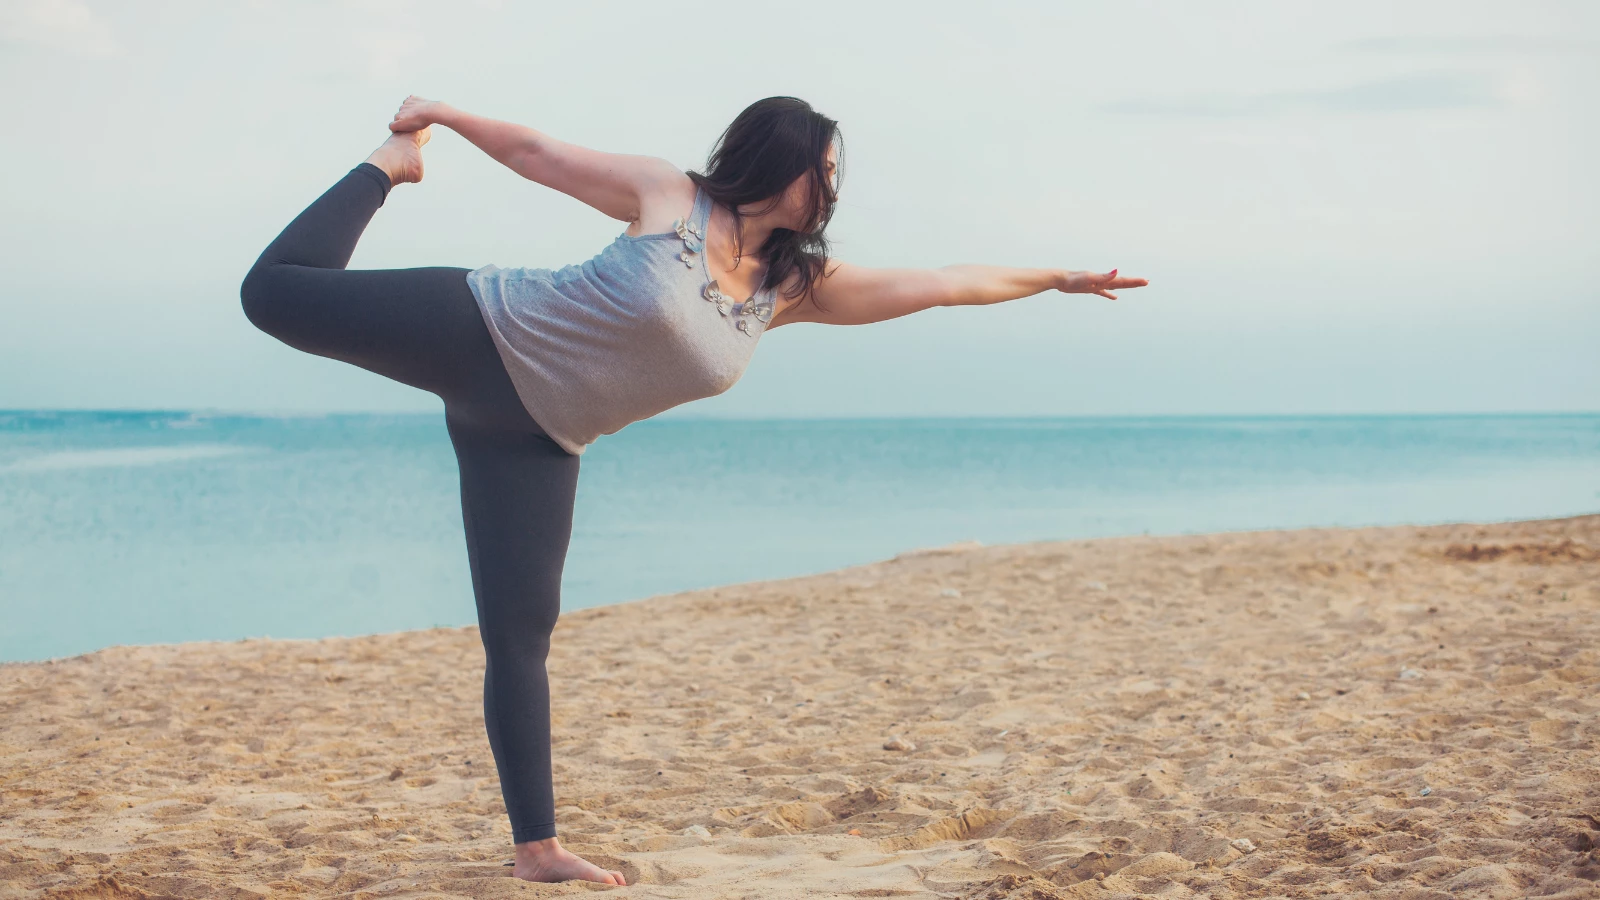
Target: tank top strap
[(699, 217), (701, 214), (766, 301)]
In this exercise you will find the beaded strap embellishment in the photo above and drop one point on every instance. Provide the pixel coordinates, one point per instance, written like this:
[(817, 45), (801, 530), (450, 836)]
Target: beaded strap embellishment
[(690, 235), (761, 312), (694, 242)]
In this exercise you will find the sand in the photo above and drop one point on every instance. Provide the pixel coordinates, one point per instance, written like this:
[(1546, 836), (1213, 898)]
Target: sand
[(1388, 712)]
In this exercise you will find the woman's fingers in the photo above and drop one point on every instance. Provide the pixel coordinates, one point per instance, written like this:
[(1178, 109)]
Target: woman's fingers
[(409, 116), (1111, 280), (1101, 283), (408, 121), (1107, 281)]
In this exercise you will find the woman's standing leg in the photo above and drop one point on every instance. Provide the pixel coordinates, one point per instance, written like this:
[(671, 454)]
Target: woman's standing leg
[(422, 327), (517, 492)]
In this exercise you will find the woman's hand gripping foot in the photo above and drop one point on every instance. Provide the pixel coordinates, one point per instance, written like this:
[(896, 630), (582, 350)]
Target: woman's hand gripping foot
[(547, 860)]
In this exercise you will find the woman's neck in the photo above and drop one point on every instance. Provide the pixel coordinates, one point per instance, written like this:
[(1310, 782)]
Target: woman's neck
[(756, 230)]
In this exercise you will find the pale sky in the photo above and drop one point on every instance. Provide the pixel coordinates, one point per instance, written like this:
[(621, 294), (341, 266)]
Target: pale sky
[(1343, 207)]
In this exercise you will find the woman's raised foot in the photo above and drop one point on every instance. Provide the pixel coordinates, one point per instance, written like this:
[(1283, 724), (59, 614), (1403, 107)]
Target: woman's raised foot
[(400, 157), (547, 860)]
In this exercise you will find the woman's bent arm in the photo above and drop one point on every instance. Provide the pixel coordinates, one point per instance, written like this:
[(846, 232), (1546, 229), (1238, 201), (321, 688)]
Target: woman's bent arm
[(609, 182), (507, 142)]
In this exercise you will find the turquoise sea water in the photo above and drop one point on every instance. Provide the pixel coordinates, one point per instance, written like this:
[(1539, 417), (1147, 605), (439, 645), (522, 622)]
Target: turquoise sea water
[(125, 528)]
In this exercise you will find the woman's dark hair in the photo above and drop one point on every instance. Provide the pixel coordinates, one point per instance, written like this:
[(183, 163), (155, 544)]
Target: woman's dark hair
[(770, 144)]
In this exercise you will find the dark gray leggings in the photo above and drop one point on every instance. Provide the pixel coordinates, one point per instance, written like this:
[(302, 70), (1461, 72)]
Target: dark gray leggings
[(422, 327)]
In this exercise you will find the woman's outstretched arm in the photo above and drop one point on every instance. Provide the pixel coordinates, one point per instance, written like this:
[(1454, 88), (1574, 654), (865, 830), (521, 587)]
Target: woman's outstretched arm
[(609, 182), (858, 295)]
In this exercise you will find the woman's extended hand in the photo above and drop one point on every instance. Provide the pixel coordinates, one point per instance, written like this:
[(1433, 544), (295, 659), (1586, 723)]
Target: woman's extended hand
[(1096, 283), (416, 114)]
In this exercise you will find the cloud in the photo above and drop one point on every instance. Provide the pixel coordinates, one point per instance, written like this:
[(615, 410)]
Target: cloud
[(390, 52), (1468, 44), (1408, 93), (66, 25)]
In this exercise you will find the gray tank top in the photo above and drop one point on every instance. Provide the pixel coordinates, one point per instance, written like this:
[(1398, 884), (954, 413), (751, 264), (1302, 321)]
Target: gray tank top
[(636, 330)]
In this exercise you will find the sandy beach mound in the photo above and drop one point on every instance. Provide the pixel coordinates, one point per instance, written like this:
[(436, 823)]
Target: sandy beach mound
[(1387, 712)]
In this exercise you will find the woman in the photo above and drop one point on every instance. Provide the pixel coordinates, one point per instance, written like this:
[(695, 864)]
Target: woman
[(533, 364)]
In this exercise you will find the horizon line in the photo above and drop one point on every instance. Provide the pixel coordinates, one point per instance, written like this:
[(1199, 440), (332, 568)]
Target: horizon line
[(704, 417)]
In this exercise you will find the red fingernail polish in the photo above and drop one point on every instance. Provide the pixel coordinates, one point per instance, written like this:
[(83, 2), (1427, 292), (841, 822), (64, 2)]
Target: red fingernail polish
[(1113, 274)]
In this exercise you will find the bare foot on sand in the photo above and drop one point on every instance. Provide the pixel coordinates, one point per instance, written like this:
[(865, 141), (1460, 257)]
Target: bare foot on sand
[(547, 860), (401, 155)]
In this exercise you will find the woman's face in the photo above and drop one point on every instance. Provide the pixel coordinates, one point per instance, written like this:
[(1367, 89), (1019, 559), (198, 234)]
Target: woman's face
[(795, 197)]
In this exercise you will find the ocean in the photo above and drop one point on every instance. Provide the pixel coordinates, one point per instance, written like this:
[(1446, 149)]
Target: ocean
[(154, 527)]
